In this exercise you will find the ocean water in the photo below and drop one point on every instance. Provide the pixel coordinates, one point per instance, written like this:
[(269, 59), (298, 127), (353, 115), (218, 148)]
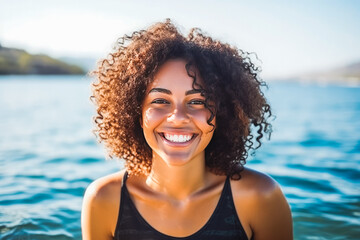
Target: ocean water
[(48, 156)]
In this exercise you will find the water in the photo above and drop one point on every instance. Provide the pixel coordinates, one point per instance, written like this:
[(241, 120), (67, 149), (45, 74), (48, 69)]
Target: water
[(48, 156)]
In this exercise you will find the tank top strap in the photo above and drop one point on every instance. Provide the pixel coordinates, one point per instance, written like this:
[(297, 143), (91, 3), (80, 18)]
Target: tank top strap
[(125, 177), (123, 192), (227, 187)]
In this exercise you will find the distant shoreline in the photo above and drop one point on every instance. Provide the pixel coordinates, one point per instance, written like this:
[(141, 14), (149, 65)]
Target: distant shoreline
[(318, 82), (15, 61)]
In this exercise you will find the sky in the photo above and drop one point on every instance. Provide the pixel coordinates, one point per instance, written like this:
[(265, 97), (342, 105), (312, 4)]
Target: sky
[(289, 37)]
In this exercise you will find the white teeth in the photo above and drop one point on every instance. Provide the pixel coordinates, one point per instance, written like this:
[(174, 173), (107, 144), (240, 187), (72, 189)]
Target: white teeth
[(177, 138)]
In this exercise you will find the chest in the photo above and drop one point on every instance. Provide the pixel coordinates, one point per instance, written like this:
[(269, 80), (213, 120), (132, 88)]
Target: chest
[(178, 218), (208, 216)]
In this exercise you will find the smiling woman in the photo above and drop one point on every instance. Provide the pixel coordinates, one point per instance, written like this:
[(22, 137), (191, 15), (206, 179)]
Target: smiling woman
[(179, 111)]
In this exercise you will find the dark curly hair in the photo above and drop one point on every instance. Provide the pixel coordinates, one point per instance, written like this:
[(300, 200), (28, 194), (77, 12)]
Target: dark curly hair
[(232, 91)]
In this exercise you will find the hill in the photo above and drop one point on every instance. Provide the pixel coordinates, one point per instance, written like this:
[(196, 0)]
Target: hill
[(349, 74), (18, 61), (86, 63)]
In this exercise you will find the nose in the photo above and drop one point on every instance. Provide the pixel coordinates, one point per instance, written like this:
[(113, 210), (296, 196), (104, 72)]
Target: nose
[(178, 116)]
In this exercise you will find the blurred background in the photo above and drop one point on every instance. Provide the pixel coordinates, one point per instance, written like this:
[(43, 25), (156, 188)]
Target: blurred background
[(309, 52)]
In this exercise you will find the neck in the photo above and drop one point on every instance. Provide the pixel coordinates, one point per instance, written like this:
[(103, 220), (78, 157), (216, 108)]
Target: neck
[(177, 182)]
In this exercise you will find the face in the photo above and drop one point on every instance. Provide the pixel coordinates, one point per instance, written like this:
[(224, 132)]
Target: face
[(174, 118)]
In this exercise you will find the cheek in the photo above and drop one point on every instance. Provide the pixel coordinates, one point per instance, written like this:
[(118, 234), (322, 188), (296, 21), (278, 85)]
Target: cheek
[(151, 118), (201, 118)]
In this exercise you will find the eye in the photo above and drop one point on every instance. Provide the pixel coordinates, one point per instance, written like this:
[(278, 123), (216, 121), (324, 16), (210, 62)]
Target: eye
[(160, 101), (197, 102)]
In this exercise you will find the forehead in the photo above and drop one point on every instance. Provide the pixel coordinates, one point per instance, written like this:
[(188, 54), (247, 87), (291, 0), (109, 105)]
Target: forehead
[(173, 75)]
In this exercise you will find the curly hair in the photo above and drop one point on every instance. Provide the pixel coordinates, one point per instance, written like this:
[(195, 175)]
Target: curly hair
[(232, 90)]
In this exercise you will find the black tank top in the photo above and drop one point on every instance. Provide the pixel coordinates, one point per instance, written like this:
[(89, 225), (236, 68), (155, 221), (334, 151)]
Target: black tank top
[(223, 224)]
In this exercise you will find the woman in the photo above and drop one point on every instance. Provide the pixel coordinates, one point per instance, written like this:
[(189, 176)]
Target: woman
[(179, 110)]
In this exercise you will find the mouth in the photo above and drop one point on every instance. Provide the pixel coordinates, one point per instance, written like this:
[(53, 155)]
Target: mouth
[(178, 139)]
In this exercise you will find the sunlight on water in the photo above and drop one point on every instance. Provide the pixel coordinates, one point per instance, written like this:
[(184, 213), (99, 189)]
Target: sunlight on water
[(48, 156)]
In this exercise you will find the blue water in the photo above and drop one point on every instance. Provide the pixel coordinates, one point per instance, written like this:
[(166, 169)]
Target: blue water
[(48, 156)]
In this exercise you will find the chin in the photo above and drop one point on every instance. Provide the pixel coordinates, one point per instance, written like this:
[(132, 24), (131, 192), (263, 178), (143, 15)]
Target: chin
[(176, 161)]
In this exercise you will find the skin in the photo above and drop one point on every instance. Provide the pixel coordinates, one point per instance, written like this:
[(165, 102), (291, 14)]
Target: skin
[(179, 183)]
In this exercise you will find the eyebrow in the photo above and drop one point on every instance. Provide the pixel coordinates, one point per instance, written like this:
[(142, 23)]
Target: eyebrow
[(166, 91), (162, 90)]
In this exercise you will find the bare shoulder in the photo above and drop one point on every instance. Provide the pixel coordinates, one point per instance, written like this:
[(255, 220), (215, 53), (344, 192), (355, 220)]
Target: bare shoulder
[(105, 188), (262, 206), (255, 184), (101, 206)]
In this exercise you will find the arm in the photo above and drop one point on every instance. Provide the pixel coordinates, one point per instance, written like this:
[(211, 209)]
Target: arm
[(272, 216), (100, 208), (262, 207), (92, 224)]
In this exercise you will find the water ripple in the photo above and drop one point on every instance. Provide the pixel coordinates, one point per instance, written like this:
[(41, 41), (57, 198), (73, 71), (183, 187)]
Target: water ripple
[(48, 160)]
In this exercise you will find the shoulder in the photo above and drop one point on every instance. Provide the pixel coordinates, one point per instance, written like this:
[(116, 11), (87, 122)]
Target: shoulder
[(101, 206), (261, 206), (105, 188), (254, 184)]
